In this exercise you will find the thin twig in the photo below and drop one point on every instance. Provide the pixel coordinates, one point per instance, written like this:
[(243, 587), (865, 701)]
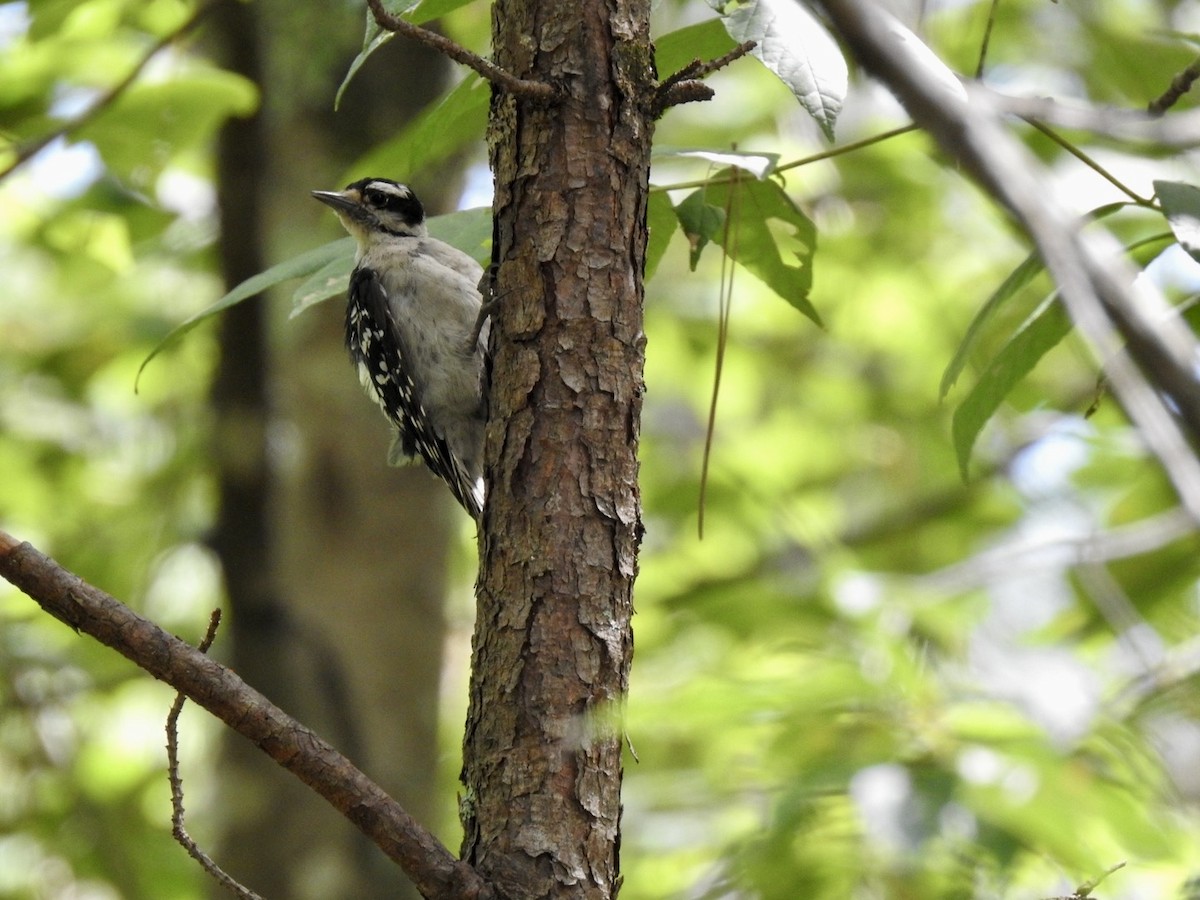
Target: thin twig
[(684, 87), (29, 150), (724, 304), (987, 38), (805, 161), (1089, 162), (1180, 85), (178, 830), (518, 87)]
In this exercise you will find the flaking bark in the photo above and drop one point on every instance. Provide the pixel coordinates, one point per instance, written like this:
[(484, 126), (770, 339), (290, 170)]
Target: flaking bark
[(558, 554)]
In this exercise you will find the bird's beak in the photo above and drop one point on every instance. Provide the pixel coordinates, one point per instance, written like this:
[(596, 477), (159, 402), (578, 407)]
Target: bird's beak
[(341, 201)]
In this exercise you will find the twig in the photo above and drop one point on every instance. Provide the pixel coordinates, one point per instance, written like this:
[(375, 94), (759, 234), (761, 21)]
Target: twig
[(1089, 162), (518, 87), (987, 39), (177, 827), (29, 150), (684, 86), (1176, 131), (1084, 890), (432, 868), (1180, 85)]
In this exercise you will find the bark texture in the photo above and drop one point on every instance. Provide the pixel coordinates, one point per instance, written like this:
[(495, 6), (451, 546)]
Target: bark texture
[(558, 555)]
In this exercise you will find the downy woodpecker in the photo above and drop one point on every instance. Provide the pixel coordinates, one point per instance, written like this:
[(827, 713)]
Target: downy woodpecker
[(413, 305)]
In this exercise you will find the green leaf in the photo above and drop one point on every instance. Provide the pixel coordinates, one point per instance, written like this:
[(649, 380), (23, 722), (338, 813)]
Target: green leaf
[(296, 267), (768, 235), (331, 280), (661, 221), (1181, 203), (1017, 358), (1017, 279), (376, 38), (798, 49), (701, 222), (435, 135), (427, 10), (470, 230), (1048, 325), (760, 165), (703, 41)]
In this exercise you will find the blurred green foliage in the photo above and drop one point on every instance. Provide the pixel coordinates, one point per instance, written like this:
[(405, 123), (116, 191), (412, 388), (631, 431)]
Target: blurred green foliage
[(869, 679)]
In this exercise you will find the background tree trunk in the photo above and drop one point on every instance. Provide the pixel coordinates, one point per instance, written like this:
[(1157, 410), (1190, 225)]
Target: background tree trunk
[(542, 750), (335, 564)]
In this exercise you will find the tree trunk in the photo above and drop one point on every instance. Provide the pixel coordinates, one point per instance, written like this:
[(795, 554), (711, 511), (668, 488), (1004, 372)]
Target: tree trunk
[(558, 548)]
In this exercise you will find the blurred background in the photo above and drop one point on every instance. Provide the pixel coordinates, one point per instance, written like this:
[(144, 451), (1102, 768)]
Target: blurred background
[(869, 679)]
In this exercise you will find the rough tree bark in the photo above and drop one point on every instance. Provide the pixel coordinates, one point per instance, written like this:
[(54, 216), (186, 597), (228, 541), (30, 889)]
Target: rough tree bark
[(558, 550)]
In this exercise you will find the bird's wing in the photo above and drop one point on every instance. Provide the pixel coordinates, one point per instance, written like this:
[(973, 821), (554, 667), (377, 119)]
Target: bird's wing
[(377, 347)]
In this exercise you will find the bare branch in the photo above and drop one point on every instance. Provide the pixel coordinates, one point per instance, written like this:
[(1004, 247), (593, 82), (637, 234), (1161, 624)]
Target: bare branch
[(684, 86), (178, 830), (29, 150), (1123, 324), (213, 686), (1180, 85), (1179, 130), (518, 87)]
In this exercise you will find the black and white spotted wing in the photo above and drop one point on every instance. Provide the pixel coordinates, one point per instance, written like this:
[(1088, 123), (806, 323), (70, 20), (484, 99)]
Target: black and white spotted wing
[(376, 347)]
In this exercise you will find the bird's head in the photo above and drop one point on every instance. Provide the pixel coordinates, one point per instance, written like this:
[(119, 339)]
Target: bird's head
[(372, 207)]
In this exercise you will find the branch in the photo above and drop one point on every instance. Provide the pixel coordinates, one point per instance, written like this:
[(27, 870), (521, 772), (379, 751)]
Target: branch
[(1089, 268), (27, 151), (502, 78), (684, 86), (432, 868), (178, 830), (1179, 130), (1180, 85)]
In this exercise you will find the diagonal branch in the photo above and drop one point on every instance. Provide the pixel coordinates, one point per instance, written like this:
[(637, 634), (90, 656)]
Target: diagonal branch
[(501, 78), (1142, 348), (85, 608)]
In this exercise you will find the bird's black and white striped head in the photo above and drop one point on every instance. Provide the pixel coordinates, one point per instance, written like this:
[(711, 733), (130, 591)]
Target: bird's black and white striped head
[(373, 207)]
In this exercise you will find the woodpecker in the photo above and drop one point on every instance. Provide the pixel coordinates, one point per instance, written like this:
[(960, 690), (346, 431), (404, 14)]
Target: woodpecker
[(412, 308)]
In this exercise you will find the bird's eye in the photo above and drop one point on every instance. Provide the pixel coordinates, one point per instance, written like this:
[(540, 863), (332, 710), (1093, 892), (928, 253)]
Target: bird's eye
[(375, 198)]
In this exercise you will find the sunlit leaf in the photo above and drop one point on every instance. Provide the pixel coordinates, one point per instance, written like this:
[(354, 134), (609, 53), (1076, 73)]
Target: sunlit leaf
[(768, 235), (427, 10), (760, 165), (1181, 203), (798, 49)]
